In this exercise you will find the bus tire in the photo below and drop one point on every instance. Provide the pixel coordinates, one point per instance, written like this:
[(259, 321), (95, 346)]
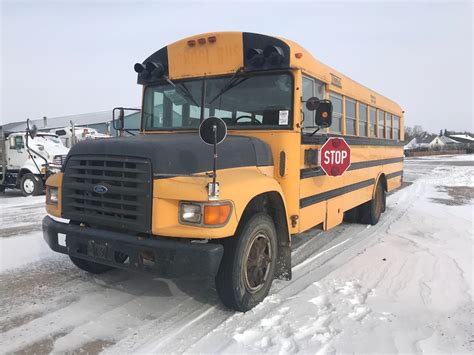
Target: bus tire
[(373, 209), (248, 266), (31, 185), (89, 266)]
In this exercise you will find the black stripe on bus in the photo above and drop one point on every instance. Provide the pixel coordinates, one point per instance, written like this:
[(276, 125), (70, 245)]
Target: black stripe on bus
[(351, 140), (311, 200), (312, 172), (395, 174)]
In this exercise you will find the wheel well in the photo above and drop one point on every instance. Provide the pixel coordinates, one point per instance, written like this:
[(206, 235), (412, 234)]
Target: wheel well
[(21, 173), (272, 204)]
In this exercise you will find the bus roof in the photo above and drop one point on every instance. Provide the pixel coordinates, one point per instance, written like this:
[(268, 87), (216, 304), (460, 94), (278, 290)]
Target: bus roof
[(220, 53), (338, 82)]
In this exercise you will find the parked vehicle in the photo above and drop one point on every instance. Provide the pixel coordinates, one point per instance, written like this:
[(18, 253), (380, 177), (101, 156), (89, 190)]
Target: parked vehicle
[(72, 134), (186, 198), (28, 159)]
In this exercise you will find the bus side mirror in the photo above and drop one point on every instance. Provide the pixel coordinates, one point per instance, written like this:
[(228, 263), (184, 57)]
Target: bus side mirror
[(118, 122), (323, 108), (33, 131)]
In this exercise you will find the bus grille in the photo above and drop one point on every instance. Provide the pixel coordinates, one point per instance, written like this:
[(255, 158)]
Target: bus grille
[(108, 191)]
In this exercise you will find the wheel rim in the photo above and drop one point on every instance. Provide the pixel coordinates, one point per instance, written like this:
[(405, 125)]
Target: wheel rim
[(28, 186), (257, 262)]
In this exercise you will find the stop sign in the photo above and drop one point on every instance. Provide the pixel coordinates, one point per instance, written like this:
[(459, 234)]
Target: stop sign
[(335, 156)]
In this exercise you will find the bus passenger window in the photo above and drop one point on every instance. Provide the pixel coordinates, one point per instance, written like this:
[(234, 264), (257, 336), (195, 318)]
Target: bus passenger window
[(350, 116), (389, 126), (381, 124), (396, 128), (373, 123), (336, 112), (362, 120)]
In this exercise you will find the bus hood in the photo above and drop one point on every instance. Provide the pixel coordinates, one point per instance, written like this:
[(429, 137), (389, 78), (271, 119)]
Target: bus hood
[(181, 153)]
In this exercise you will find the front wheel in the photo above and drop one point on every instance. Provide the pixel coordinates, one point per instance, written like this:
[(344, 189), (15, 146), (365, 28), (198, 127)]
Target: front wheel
[(248, 265), (31, 185)]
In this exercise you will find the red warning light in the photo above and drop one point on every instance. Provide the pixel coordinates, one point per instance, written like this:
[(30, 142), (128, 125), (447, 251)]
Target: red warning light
[(212, 39), (202, 41), (191, 43)]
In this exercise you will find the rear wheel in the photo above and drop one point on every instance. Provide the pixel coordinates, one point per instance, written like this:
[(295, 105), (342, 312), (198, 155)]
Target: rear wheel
[(372, 210), (31, 185), (248, 265)]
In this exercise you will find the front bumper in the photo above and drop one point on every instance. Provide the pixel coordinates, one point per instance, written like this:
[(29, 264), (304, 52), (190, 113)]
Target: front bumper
[(170, 258)]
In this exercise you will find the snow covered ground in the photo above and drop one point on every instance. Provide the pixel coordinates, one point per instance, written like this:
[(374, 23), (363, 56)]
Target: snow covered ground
[(404, 285)]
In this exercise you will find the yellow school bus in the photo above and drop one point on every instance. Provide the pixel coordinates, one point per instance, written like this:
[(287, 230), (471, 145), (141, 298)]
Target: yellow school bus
[(155, 203)]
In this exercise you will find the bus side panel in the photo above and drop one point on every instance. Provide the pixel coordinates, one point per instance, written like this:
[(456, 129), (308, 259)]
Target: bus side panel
[(312, 215), (335, 212), (368, 162), (394, 183)]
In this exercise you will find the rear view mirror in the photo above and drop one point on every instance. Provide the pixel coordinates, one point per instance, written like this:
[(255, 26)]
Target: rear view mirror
[(118, 122), (312, 103), (125, 121), (323, 108), (31, 130), (324, 114), (213, 130)]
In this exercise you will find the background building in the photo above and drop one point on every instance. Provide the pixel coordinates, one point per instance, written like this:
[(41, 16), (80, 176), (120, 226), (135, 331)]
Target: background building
[(101, 121)]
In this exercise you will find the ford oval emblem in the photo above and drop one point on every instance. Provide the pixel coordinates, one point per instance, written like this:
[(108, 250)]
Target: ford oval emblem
[(100, 189)]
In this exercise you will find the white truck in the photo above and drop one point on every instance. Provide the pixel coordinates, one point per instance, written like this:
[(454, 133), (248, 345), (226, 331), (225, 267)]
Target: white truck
[(28, 158), (73, 134)]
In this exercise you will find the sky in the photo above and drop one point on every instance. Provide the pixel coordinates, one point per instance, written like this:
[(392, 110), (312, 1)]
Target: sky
[(71, 57)]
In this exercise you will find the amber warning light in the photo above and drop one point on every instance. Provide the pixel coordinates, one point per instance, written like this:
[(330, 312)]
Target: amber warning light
[(202, 40)]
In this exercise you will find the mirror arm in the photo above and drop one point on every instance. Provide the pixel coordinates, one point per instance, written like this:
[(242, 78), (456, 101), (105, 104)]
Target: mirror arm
[(129, 132), (314, 132)]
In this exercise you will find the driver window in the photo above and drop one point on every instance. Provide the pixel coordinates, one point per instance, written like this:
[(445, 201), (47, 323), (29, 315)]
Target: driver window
[(311, 87), (308, 91)]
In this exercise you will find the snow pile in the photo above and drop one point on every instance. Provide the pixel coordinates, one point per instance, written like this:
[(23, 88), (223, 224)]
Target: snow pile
[(408, 290)]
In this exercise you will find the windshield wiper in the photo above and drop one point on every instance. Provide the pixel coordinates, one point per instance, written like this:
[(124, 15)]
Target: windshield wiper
[(232, 83), (183, 90)]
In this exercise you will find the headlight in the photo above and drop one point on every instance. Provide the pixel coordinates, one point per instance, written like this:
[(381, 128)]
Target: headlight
[(190, 213), (51, 195), (205, 214)]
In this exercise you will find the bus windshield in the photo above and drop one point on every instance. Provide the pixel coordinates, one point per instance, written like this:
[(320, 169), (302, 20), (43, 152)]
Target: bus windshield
[(243, 102)]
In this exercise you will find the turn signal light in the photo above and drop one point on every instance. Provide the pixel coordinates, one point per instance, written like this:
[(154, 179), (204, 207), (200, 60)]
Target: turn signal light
[(298, 55), (216, 214)]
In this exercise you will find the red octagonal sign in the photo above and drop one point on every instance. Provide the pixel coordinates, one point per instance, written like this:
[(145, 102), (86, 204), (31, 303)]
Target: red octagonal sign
[(335, 156)]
